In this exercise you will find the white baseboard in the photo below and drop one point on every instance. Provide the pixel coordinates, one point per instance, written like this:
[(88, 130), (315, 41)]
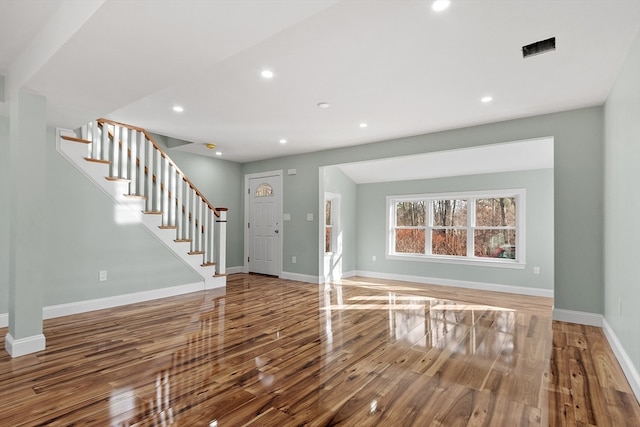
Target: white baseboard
[(22, 346), (118, 300), (4, 320), (234, 270), (300, 277), (347, 274), (630, 371), (579, 317), (537, 292)]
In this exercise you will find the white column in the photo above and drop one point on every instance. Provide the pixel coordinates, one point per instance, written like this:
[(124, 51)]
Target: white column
[(221, 238), (27, 166)]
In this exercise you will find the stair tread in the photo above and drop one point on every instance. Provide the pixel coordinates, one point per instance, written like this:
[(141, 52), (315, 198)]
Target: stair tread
[(106, 162), (153, 212), (208, 264), (196, 253), (117, 179), (135, 196), (74, 139), (183, 240), (168, 227)]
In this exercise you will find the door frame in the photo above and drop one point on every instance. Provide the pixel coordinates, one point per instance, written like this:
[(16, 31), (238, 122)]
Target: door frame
[(247, 214)]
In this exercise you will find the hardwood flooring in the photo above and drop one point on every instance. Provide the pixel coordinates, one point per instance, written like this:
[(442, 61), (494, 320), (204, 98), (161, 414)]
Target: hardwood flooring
[(274, 352)]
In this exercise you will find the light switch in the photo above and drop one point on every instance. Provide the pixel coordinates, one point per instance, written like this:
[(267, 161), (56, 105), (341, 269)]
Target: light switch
[(309, 217)]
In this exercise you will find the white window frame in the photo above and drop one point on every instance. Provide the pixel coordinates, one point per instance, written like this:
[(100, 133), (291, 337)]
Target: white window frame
[(519, 194)]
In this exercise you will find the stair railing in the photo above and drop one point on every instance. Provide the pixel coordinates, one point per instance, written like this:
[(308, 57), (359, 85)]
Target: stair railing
[(135, 157)]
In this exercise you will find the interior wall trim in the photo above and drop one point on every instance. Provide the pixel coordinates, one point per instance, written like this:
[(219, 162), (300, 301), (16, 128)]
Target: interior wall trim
[(301, 277), (77, 307), (495, 287), (579, 317), (20, 347), (627, 366)]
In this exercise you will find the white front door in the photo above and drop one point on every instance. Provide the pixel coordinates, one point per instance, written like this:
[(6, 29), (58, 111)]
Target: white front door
[(264, 225)]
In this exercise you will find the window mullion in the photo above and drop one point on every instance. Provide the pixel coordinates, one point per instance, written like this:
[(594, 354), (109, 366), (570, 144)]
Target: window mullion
[(471, 223), (428, 228)]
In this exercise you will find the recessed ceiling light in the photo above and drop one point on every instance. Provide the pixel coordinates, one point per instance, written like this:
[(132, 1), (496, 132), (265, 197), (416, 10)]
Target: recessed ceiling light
[(323, 105), (267, 74), (283, 141), (218, 153), (440, 5), (363, 125), (178, 109), (487, 99)]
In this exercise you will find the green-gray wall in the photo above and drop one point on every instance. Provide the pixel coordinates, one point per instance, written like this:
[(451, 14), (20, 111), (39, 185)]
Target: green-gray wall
[(578, 192), (82, 237), (538, 184), (622, 206)]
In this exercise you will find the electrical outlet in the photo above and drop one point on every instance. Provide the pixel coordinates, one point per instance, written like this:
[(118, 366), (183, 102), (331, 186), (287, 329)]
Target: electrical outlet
[(536, 270), (293, 260), (373, 258), (309, 217), (103, 275)]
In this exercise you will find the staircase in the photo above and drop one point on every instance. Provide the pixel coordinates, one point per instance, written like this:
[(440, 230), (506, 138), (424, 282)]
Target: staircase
[(148, 187)]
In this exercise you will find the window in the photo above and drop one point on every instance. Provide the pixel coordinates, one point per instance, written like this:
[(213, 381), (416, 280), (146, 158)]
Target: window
[(327, 226), (458, 227), (332, 230), (264, 190)]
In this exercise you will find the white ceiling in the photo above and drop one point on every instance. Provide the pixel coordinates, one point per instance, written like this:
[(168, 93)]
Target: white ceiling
[(397, 65)]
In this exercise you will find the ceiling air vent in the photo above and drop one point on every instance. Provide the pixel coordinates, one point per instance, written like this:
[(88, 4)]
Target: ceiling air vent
[(539, 47)]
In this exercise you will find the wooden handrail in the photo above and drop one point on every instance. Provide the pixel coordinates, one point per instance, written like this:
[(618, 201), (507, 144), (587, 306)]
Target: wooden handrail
[(163, 154)]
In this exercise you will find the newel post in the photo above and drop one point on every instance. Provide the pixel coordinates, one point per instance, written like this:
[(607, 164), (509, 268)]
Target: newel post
[(221, 240)]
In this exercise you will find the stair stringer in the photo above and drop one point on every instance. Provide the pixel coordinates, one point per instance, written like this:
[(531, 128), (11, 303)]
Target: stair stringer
[(132, 208)]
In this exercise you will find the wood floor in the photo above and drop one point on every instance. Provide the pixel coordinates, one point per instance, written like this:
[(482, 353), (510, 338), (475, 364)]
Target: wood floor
[(273, 352)]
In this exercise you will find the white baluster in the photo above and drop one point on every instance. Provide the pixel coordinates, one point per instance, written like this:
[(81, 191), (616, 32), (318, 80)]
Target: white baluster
[(115, 152), (105, 142), (95, 140), (171, 183), (200, 223), (142, 149), (133, 163), (150, 171), (205, 233), (124, 153), (187, 207), (179, 214), (164, 175), (192, 226), (158, 173)]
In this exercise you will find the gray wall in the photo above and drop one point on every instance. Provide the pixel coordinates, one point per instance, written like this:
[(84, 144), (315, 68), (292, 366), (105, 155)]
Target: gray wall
[(622, 205), (82, 238), (372, 228), (578, 190), (335, 181), (221, 182)]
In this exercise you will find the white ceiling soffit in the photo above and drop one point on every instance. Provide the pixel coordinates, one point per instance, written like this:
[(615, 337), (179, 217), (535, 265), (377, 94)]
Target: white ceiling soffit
[(494, 158)]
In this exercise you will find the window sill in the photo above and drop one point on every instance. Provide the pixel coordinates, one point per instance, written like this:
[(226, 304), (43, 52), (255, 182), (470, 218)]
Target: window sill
[(518, 265)]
